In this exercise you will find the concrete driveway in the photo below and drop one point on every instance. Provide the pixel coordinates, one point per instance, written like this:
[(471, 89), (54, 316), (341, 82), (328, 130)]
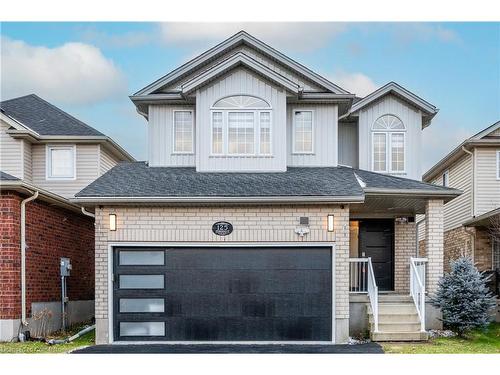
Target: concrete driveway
[(370, 348)]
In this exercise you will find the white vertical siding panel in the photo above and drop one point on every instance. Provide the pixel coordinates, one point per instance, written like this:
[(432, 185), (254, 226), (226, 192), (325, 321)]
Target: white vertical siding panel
[(11, 158), (86, 170), (487, 184), (325, 136), (412, 119), (348, 144), (107, 161)]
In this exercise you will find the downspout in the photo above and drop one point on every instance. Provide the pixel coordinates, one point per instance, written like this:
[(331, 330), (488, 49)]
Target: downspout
[(23, 256), (469, 231), (85, 212)]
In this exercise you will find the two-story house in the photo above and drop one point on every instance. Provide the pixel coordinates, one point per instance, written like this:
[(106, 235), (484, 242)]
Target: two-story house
[(275, 207), (472, 221), (46, 156)]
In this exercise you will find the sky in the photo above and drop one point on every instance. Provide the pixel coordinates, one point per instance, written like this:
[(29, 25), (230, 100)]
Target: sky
[(90, 69)]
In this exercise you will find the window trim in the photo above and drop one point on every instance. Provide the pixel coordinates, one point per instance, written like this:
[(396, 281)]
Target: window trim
[(294, 125), (174, 152), (48, 162), (445, 178), (386, 135), (388, 151), (403, 133), (498, 165)]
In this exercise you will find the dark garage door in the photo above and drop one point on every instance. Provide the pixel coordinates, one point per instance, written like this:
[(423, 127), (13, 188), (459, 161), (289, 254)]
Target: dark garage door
[(223, 294)]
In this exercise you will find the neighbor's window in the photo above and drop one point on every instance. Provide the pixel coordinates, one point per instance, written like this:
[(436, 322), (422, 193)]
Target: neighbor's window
[(183, 132), (389, 145), (61, 162), (241, 126), (302, 132), (445, 178)]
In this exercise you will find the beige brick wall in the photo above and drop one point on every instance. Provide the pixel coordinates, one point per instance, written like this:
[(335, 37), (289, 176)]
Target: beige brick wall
[(404, 249), (434, 242), (272, 223)]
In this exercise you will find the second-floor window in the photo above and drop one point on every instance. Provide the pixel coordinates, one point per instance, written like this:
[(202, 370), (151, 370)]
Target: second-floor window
[(445, 178), (241, 126), (302, 132), (183, 132), (60, 162), (388, 145)]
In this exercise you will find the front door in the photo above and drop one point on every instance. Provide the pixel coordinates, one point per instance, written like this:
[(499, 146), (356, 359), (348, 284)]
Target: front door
[(376, 240)]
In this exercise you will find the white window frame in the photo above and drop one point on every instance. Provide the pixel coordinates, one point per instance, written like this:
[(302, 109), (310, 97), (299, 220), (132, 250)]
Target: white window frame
[(225, 131), (294, 126), (174, 152), (498, 165), (388, 152), (445, 178), (48, 162)]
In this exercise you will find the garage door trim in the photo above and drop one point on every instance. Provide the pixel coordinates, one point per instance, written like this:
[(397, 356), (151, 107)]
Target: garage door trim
[(112, 245)]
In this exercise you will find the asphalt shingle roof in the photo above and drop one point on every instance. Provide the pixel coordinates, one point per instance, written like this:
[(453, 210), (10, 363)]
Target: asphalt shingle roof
[(7, 177), (139, 180), (45, 118)]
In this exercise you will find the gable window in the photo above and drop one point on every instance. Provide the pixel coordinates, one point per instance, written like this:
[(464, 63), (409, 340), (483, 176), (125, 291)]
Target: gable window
[(445, 178), (389, 145), (60, 162), (303, 132), (183, 132), (241, 126)]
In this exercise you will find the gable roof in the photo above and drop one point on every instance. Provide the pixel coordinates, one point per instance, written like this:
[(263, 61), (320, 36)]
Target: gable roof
[(399, 91), (479, 139), (137, 182), (238, 59), (44, 118), (239, 38)]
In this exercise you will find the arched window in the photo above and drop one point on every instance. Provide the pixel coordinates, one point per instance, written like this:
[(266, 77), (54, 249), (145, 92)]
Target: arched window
[(241, 125), (388, 145)]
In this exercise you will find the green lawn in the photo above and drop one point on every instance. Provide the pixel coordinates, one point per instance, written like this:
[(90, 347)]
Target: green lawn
[(479, 341), (41, 347)]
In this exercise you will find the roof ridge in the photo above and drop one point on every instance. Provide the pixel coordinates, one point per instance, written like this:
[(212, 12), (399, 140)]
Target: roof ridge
[(19, 97)]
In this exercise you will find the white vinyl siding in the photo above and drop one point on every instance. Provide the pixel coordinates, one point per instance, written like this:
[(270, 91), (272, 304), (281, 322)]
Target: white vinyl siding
[(498, 165), (107, 160), (325, 136), (183, 132), (412, 120), (10, 153), (87, 170), (60, 163), (303, 132), (160, 137), (348, 144), (445, 178), (487, 187), (27, 162)]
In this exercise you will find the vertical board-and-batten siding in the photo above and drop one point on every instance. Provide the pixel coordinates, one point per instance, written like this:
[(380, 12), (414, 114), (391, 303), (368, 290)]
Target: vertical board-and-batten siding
[(107, 161), (160, 133), (86, 170), (487, 186), (411, 118), (11, 158), (348, 144), (325, 135), (237, 82)]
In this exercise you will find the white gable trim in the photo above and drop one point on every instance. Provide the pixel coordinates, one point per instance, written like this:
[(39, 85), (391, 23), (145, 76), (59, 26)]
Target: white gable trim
[(485, 132), (234, 61), (17, 125), (239, 38)]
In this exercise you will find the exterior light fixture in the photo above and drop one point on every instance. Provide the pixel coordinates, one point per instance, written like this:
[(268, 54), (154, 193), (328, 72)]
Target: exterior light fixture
[(330, 222), (112, 222)]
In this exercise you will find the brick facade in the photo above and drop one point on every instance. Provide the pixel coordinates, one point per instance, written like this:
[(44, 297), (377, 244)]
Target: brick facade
[(51, 233), (404, 249), (434, 242), (271, 223)]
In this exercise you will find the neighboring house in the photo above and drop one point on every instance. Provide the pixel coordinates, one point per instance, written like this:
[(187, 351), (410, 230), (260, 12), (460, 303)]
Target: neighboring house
[(247, 225), (46, 156), (470, 220)]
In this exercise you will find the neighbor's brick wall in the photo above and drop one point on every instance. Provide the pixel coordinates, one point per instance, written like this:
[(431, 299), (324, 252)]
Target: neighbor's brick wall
[(193, 224), (434, 242), (483, 257), (404, 249), (51, 233)]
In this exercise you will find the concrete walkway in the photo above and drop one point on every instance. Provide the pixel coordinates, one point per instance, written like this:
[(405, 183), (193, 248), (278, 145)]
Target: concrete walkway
[(230, 349)]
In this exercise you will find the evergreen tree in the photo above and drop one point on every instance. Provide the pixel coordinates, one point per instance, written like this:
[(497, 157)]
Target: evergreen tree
[(463, 297)]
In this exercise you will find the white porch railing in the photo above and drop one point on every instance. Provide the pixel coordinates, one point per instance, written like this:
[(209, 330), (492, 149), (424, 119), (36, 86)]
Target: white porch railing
[(417, 287), (362, 280)]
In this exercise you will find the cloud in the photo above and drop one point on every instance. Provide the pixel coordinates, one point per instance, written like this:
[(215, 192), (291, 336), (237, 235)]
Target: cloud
[(73, 73), (292, 36), (356, 83), (128, 39)]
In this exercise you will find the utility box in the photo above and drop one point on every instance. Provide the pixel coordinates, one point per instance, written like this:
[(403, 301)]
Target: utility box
[(65, 267)]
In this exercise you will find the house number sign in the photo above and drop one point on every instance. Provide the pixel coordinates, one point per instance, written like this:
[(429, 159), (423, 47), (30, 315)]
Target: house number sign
[(222, 228)]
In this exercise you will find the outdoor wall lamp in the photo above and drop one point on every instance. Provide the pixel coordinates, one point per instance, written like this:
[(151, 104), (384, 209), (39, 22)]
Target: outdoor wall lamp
[(112, 221), (330, 222)]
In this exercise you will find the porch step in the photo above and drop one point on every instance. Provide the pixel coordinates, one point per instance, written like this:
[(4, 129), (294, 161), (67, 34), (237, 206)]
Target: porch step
[(399, 336), (394, 308), (394, 298), (396, 327), (396, 318)]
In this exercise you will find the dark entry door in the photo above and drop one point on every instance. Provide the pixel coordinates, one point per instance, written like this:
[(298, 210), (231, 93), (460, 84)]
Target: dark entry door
[(223, 294), (376, 240)]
